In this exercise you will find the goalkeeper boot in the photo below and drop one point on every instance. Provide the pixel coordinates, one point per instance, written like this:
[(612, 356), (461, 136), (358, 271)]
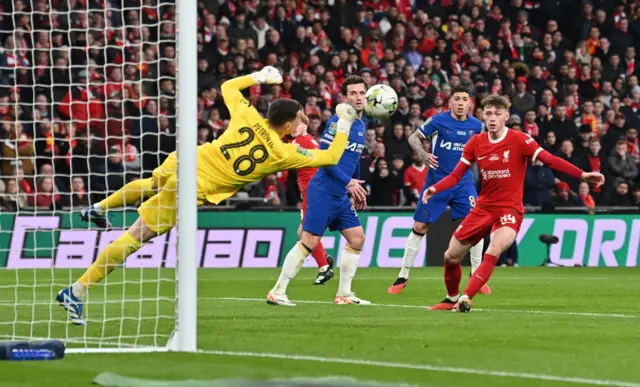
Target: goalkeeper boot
[(279, 299), (463, 305), (350, 299), (72, 304), (90, 214), (397, 286)]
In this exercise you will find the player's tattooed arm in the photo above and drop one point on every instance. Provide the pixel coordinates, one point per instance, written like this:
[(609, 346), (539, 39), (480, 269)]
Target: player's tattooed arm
[(415, 141)]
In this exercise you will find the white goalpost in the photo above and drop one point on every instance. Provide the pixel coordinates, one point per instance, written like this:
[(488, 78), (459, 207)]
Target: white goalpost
[(95, 94)]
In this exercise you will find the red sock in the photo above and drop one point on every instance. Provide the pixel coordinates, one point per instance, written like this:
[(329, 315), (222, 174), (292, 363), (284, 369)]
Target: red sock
[(452, 277), (481, 275), (320, 255)]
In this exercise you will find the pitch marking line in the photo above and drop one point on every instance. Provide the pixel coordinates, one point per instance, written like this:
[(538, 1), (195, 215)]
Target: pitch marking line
[(426, 367), (582, 314), (372, 363)]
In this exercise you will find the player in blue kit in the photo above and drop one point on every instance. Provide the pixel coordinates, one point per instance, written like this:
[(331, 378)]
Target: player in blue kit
[(449, 132), (329, 205)]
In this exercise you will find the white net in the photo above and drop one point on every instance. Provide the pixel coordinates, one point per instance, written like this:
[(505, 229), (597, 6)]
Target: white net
[(88, 100)]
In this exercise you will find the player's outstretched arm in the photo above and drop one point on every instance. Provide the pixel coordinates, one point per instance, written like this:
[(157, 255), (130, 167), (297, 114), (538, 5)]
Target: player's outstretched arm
[(232, 89), (560, 165), (303, 158), (449, 181)]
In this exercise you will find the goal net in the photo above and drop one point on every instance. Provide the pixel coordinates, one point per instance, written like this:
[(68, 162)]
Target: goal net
[(88, 95)]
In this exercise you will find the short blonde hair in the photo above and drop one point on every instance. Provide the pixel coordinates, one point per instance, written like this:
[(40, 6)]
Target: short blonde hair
[(497, 101)]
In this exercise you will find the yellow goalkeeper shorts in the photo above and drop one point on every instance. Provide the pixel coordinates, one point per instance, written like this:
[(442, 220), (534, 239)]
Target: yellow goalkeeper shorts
[(159, 212)]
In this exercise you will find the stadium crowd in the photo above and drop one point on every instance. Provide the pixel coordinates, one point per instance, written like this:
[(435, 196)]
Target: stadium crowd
[(88, 87)]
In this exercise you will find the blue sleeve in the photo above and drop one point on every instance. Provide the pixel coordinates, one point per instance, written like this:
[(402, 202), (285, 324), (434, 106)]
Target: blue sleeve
[(356, 173), (429, 128), (325, 141)]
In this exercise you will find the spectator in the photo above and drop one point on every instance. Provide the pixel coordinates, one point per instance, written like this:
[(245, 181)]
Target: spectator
[(537, 183), (78, 197), (397, 173), (598, 162), (14, 198), (397, 144), (621, 196), (110, 176), (381, 185), (45, 195), (621, 163), (585, 197), (636, 194), (563, 127), (550, 143), (614, 133), (567, 153), (415, 177), (565, 197), (271, 189), (633, 145), (522, 99)]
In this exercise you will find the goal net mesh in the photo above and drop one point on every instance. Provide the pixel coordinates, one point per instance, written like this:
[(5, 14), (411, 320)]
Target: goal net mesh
[(88, 102)]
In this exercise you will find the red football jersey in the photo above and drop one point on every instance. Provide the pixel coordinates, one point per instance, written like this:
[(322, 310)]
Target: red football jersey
[(502, 164), (305, 174)]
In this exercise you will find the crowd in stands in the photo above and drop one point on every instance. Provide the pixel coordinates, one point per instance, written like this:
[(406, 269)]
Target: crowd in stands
[(88, 87)]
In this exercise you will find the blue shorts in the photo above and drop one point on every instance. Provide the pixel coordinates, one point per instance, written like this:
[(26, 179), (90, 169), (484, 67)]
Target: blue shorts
[(324, 210), (461, 199)]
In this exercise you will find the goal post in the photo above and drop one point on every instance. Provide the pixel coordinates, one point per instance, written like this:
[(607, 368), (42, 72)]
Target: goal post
[(186, 275), (85, 86)]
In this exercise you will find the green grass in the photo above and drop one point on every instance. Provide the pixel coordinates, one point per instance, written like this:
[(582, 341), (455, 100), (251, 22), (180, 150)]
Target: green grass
[(564, 322)]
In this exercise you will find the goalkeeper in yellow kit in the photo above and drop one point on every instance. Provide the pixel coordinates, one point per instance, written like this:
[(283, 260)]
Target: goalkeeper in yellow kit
[(249, 149)]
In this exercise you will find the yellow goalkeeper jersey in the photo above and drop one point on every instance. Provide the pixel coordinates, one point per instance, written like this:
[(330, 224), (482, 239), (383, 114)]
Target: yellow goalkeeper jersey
[(249, 150)]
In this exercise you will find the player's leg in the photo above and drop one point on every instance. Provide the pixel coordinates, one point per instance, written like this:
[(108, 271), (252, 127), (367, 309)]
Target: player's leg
[(319, 254), (291, 266), (348, 223), (462, 202), (425, 215), (130, 194), (316, 219), (157, 216), (501, 239), (470, 231)]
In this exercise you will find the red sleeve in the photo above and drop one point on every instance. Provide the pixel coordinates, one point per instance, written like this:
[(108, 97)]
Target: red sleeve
[(560, 165), (469, 152), (529, 146), (455, 176)]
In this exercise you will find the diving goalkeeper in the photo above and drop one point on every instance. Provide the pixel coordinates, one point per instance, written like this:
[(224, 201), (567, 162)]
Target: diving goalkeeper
[(249, 149)]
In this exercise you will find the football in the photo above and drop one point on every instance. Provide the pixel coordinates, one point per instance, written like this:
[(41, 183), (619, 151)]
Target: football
[(381, 101)]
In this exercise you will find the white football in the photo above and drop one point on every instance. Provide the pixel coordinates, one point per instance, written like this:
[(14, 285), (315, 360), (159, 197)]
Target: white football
[(381, 101)]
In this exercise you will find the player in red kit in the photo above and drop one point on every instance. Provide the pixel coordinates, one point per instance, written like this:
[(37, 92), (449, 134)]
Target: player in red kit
[(324, 261), (501, 155)]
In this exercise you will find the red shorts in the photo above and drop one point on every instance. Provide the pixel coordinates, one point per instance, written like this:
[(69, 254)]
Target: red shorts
[(480, 222)]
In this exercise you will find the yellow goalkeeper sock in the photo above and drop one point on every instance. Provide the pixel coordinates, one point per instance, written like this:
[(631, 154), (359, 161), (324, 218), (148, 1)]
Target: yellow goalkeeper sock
[(109, 259), (130, 194)]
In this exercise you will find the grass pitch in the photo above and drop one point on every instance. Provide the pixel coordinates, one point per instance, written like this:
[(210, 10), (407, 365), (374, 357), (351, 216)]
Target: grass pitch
[(540, 327)]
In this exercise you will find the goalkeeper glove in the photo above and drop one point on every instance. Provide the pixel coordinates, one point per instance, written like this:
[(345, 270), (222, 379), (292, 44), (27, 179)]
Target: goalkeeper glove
[(346, 115), (269, 75)]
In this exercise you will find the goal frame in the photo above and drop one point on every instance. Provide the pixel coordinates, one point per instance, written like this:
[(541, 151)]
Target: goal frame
[(184, 335)]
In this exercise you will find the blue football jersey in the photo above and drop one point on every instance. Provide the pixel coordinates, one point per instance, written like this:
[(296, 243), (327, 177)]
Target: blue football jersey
[(448, 138), (333, 180)]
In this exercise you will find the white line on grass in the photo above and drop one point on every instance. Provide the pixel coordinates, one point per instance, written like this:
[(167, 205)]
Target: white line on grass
[(547, 312), (440, 279), (426, 367), (372, 363)]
